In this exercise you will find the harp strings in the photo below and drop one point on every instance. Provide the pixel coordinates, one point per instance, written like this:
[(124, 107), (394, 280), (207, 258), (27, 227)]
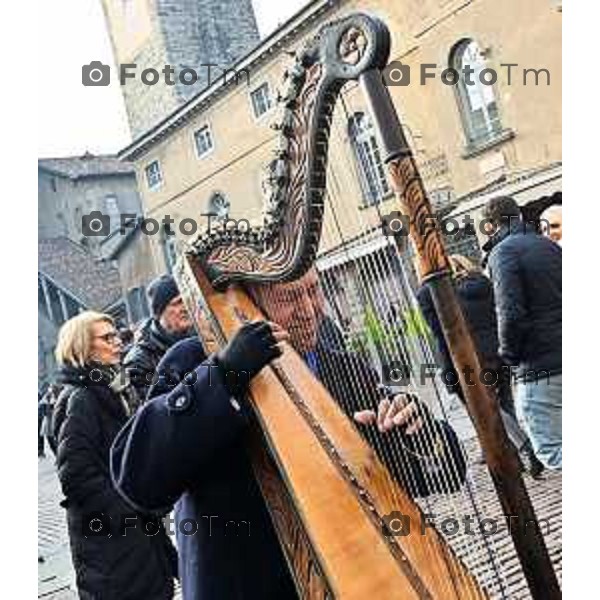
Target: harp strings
[(387, 266), (390, 447), (294, 306)]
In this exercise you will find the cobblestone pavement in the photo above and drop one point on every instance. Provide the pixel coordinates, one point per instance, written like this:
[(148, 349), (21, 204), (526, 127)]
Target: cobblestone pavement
[(56, 577), (55, 574)]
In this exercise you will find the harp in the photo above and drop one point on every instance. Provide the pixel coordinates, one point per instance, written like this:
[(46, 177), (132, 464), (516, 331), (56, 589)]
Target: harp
[(330, 487)]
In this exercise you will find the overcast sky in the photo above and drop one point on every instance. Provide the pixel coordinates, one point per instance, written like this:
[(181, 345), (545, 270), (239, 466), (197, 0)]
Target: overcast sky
[(73, 118)]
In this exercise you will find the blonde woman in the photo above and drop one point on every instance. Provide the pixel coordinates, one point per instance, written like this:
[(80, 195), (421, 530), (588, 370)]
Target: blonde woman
[(476, 296), (91, 409)]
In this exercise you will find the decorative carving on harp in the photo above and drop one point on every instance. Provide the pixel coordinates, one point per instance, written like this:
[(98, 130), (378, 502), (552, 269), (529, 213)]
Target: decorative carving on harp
[(331, 485)]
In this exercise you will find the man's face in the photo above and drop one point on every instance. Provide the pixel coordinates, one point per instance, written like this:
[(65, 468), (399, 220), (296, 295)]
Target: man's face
[(174, 318), (298, 307), (551, 224)]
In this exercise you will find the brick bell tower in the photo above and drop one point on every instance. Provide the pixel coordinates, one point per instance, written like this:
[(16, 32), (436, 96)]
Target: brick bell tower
[(180, 33)]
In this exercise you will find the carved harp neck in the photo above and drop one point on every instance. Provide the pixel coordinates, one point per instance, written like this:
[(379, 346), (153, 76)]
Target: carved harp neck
[(285, 245)]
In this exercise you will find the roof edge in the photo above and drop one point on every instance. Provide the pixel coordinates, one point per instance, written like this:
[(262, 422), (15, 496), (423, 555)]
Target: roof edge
[(186, 111)]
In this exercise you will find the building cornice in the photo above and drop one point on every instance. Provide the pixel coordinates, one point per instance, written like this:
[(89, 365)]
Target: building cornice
[(282, 37)]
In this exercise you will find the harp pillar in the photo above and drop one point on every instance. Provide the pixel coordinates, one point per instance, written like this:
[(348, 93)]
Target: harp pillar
[(435, 272)]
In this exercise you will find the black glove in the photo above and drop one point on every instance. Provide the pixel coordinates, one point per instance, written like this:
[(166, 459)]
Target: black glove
[(250, 349)]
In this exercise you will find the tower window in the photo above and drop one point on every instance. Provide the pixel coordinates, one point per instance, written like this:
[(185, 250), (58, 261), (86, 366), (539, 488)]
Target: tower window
[(261, 100), (111, 205), (204, 141), (170, 250), (153, 175)]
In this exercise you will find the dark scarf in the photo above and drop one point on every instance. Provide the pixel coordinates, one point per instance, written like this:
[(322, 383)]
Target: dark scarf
[(106, 380)]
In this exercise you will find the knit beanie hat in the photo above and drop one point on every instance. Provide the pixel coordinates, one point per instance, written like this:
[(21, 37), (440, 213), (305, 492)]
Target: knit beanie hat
[(160, 292)]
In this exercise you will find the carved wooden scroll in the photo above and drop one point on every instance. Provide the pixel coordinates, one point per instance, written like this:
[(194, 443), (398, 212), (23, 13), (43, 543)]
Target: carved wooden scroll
[(285, 245)]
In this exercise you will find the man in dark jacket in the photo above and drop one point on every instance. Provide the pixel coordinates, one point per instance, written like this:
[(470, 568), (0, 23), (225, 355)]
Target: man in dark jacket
[(169, 324), (186, 445), (526, 270), (430, 458)]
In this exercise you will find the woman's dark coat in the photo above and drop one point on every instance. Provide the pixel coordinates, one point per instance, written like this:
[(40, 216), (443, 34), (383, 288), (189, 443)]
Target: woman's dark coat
[(134, 566)]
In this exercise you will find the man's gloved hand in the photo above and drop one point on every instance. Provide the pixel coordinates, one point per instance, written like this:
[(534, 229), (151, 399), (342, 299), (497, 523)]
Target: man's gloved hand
[(251, 348)]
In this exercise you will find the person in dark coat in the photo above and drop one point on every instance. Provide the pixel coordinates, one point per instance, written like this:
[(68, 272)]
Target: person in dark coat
[(47, 404), (186, 446), (476, 297), (169, 323), (526, 270), (431, 459), (91, 409)]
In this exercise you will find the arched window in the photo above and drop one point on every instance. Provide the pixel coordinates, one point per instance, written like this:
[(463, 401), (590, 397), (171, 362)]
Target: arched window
[(371, 168), (218, 206), (476, 101)]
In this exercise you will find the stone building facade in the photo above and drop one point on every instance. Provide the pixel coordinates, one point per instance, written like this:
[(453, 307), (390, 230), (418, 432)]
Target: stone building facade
[(78, 271), (70, 188), (208, 154), (207, 36)]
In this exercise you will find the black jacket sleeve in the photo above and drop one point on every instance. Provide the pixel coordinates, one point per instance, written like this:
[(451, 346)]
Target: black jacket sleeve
[(430, 461), (84, 479), (511, 307), (162, 449), (435, 459)]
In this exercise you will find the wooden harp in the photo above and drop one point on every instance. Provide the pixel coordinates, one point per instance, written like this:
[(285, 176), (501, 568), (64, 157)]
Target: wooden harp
[(329, 490)]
